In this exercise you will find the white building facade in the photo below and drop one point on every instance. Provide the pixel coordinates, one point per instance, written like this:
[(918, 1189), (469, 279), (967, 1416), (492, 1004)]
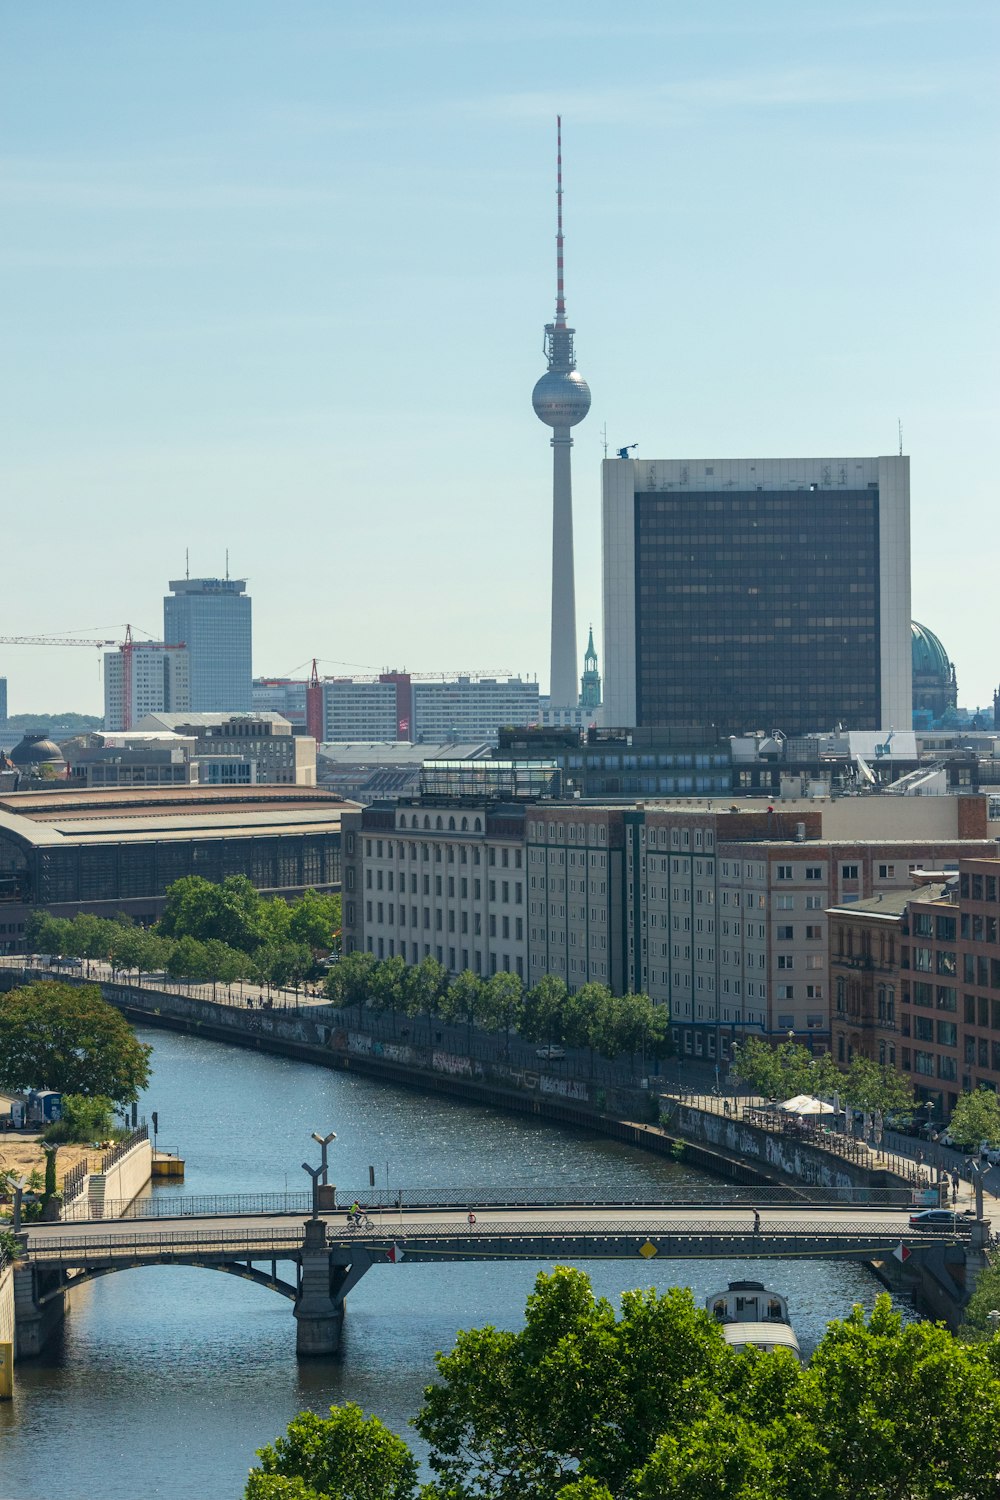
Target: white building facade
[(159, 681)]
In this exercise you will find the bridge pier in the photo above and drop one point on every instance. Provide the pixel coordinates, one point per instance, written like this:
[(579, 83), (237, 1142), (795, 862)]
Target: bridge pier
[(323, 1288), (34, 1320)]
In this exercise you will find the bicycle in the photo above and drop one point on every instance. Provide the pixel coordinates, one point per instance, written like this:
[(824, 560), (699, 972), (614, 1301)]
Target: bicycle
[(359, 1220)]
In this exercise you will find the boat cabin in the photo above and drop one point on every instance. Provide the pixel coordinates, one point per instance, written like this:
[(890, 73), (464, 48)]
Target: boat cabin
[(747, 1302)]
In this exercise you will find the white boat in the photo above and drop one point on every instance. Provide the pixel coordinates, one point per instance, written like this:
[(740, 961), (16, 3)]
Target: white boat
[(750, 1314)]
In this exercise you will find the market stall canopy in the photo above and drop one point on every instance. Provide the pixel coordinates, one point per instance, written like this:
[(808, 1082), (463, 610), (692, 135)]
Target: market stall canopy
[(805, 1104)]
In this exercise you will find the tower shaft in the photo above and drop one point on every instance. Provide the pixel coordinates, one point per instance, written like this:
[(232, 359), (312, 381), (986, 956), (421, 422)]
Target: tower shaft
[(562, 664), (561, 399)]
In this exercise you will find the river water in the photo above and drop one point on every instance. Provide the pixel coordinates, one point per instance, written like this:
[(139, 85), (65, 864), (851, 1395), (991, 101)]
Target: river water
[(164, 1380)]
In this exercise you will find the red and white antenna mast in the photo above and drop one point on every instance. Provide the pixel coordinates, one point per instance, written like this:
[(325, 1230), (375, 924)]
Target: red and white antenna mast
[(560, 289)]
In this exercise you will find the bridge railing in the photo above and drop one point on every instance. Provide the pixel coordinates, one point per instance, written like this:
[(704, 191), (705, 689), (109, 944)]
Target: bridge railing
[(800, 1236), (227, 1205)]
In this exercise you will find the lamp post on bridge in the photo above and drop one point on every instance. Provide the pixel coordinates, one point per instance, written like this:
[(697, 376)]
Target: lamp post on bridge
[(319, 1174)]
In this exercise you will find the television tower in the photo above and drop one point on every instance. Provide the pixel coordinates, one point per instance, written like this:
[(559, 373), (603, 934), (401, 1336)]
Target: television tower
[(561, 399)]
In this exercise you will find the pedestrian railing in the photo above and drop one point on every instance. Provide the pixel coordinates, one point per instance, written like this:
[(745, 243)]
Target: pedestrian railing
[(800, 1236), (692, 1195)]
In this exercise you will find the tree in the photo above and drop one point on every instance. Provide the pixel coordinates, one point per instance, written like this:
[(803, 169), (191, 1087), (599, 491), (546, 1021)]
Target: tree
[(587, 1017), (66, 1037), (871, 1085), (544, 1007), (345, 1456), (651, 1404), (462, 1001), (976, 1118), (503, 1003), (315, 921), (349, 981), (188, 959), (231, 912), (83, 1119), (786, 1070), (424, 985), (903, 1411), (388, 984), (47, 934), (577, 1394)]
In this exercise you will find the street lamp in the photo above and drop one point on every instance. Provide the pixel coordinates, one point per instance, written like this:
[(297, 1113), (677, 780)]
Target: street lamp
[(318, 1174), (323, 1142)]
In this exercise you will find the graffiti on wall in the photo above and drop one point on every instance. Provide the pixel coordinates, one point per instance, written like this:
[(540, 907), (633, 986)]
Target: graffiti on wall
[(565, 1088), (454, 1066), (787, 1155)]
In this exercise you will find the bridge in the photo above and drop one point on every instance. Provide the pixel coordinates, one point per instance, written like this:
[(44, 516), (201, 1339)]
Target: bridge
[(324, 1256)]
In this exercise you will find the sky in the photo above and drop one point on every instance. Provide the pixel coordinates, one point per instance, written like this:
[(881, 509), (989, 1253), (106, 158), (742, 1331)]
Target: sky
[(273, 278)]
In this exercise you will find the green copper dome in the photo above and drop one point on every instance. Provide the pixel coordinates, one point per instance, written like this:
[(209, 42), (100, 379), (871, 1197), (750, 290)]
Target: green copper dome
[(929, 656)]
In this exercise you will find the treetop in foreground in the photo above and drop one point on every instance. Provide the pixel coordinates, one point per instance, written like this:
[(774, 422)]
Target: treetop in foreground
[(650, 1403), (68, 1038)]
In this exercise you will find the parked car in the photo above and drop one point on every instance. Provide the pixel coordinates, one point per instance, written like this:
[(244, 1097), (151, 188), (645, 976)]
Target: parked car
[(550, 1054), (937, 1218)]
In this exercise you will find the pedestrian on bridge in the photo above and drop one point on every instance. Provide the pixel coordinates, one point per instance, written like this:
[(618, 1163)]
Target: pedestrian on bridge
[(756, 1221)]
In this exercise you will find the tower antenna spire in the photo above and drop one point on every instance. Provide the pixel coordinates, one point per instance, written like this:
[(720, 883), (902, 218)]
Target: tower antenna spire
[(560, 288)]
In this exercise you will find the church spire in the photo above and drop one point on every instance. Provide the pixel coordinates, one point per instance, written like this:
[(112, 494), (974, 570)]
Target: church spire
[(590, 682)]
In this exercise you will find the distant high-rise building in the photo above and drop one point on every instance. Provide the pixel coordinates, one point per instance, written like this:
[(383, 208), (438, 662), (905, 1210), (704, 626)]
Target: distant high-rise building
[(212, 618), (590, 682), (561, 399), (397, 707), (3, 700), (765, 594), (144, 677), (281, 695)]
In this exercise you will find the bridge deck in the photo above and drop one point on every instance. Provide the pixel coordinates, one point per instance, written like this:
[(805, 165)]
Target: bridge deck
[(544, 1233)]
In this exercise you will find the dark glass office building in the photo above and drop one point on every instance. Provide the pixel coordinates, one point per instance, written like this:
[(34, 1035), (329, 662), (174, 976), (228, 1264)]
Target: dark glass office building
[(757, 594)]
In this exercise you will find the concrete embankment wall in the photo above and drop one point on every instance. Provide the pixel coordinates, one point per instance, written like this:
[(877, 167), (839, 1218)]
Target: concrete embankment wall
[(7, 1304), (776, 1154), (123, 1181), (629, 1115)]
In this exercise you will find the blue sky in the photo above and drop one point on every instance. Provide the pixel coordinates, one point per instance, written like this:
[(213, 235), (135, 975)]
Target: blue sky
[(274, 277)]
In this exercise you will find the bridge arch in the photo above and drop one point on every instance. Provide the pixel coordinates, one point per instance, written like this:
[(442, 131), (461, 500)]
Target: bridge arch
[(243, 1269)]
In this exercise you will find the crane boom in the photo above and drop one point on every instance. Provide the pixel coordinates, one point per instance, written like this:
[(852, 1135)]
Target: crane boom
[(52, 640)]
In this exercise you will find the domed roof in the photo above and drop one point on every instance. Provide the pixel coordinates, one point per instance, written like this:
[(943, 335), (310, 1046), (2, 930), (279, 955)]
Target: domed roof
[(36, 750), (929, 656)]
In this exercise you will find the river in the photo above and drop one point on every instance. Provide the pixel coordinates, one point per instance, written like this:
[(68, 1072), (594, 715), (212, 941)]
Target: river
[(164, 1381)]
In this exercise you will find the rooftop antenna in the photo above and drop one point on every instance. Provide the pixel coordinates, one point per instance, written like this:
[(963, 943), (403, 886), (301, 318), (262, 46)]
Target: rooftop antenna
[(227, 564), (899, 424), (604, 439), (187, 562)]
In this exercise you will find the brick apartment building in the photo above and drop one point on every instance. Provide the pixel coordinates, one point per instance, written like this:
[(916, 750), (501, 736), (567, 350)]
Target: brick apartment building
[(718, 912), (917, 985)]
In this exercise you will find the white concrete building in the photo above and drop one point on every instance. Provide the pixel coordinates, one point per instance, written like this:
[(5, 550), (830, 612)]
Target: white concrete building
[(243, 749), (160, 682), (471, 708)]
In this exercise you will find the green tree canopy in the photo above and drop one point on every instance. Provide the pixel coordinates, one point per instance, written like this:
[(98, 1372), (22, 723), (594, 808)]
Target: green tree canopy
[(345, 1456), (976, 1118), (652, 1404), (315, 921), (871, 1085), (66, 1037), (230, 912), (349, 981)]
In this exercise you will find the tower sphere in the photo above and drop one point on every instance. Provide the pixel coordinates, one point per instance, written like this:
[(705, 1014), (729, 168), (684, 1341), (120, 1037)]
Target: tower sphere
[(561, 398)]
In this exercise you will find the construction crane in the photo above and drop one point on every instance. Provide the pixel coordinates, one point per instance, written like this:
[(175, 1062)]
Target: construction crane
[(53, 640), (126, 647)]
